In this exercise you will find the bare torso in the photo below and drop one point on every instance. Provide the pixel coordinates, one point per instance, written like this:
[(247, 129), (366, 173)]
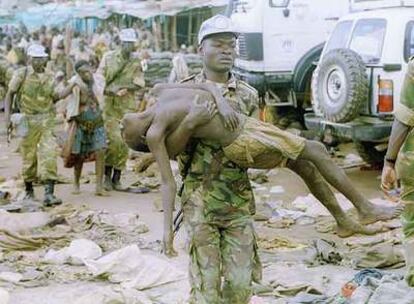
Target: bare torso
[(174, 104)]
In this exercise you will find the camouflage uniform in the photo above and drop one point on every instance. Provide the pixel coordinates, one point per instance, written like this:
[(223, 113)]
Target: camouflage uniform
[(5, 76), (119, 73), (38, 147), (218, 202), (405, 163)]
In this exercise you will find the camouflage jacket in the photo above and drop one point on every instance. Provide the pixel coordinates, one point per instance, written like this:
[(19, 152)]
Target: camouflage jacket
[(226, 188), (37, 91), (121, 73)]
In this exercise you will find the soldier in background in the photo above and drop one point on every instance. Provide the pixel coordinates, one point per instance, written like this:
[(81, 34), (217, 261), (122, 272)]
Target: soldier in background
[(124, 79), (38, 94)]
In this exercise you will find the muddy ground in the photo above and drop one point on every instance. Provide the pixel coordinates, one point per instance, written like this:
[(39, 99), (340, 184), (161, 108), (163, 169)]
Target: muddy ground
[(291, 264)]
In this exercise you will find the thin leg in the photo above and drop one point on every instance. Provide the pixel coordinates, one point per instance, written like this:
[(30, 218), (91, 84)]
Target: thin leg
[(316, 153), (77, 169), (99, 171), (321, 190)]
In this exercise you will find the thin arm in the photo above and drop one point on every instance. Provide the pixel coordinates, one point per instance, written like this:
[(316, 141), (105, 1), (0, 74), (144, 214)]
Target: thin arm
[(156, 143), (227, 113), (398, 134), (177, 141), (65, 92), (7, 105)]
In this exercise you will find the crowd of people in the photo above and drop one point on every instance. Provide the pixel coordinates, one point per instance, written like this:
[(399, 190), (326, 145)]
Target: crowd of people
[(98, 78)]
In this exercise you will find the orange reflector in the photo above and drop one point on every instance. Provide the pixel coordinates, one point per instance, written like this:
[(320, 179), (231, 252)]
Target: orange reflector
[(385, 96)]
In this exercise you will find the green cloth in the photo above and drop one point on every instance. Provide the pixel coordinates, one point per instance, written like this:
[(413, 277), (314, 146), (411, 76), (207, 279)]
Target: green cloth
[(218, 202)]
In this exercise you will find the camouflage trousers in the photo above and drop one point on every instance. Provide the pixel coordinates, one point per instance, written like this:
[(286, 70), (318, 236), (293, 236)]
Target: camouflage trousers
[(407, 219), (405, 169), (116, 154), (220, 250), (39, 149)]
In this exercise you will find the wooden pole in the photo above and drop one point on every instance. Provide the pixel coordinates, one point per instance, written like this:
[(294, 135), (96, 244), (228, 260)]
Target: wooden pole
[(174, 43), (190, 29), (198, 25), (156, 33), (166, 32)]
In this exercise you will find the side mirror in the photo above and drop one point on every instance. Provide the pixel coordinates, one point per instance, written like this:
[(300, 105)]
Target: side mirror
[(286, 12), (392, 67)]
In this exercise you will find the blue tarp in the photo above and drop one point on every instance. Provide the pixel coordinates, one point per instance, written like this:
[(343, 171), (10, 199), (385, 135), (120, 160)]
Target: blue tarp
[(52, 14), (60, 14)]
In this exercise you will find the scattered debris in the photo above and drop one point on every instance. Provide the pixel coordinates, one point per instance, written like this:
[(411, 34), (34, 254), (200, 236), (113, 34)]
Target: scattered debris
[(11, 277), (278, 243), (75, 254)]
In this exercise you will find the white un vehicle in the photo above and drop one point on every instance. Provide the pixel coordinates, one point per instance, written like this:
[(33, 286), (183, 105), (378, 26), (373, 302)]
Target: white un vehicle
[(279, 42), (356, 85)]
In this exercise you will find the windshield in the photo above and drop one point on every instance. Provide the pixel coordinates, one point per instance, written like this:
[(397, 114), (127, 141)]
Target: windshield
[(368, 39), (340, 36)]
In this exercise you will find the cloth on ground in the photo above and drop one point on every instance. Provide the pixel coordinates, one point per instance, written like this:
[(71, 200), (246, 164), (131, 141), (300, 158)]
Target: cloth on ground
[(20, 222), (4, 296), (75, 254), (132, 269), (384, 255)]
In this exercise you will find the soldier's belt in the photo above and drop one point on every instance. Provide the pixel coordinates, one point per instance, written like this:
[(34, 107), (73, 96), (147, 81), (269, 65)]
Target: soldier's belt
[(90, 125)]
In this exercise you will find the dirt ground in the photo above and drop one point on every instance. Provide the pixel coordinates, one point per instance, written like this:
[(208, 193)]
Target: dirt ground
[(282, 262)]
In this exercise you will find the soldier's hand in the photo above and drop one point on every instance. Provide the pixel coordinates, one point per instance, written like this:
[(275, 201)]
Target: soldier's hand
[(388, 177), (122, 92), (168, 244), (230, 118)]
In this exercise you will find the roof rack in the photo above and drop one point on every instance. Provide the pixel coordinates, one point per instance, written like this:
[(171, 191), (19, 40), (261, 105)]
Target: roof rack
[(364, 5)]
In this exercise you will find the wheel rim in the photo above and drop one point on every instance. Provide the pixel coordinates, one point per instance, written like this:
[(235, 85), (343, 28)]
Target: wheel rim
[(335, 86)]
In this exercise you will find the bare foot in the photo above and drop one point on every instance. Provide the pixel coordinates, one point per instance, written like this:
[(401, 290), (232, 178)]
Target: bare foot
[(349, 227), (102, 193), (379, 213), (76, 190)]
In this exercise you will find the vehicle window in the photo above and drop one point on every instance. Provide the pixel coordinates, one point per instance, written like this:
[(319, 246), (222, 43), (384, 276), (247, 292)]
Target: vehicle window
[(368, 39), (279, 3), (409, 41), (339, 36)]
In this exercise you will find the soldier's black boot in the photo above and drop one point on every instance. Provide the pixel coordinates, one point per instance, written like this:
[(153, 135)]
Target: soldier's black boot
[(50, 198), (29, 191), (116, 181), (108, 181)]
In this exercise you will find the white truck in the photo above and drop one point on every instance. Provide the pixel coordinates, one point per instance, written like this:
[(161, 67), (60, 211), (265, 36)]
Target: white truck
[(358, 80), (279, 42)]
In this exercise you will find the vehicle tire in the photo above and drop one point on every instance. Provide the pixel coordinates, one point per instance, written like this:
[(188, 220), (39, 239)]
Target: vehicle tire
[(369, 153), (340, 85)]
